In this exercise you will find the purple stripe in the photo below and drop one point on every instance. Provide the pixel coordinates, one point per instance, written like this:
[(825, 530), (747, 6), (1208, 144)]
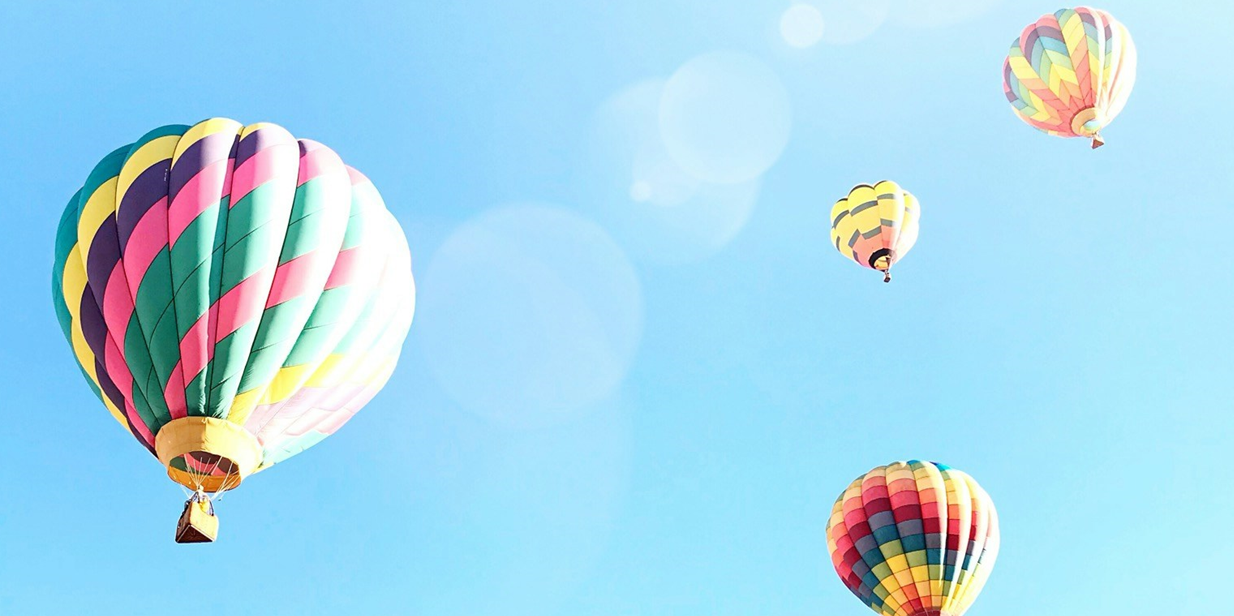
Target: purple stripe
[(1087, 17), (203, 152), (103, 257), (1026, 45), (149, 187), (112, 392), (1050, 32), (257, 141), (93, 327), (108, 386)]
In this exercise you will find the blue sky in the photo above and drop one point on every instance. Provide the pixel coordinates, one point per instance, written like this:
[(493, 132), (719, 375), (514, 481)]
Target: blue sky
[(631, 391)]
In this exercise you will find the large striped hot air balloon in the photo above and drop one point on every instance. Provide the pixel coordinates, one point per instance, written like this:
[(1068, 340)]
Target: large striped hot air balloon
[(914, 539), (1070, 73), (232, 294), (876, 225)]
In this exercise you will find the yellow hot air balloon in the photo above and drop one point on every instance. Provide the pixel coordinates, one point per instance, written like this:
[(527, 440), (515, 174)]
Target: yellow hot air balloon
[(876, 225)]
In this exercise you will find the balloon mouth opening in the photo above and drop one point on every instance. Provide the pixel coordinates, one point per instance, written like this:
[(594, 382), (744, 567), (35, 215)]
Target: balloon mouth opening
[(207, 454), (1087, 123), (881, 260), (205, 471)]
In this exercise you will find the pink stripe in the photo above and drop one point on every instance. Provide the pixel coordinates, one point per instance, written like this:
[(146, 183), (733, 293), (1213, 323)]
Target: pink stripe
[(356, 177), (263, 414), (317, 160), (230, 312), (332, 422), (864, 247), (276, 418), (204, 190), (329, 414), (264, 166), (117, 304), (293, 278), (148, 238), (200, 349), (173, 393), (203, 467), (324, 409), (346, 267), (243, 302), (195, 347), (117, 369), (135, 418), (120, 375)]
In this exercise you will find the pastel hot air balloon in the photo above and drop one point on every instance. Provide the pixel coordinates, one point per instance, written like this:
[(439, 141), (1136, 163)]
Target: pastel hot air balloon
[(876, 225), (233, 295), (1070, 73), (914, 539)]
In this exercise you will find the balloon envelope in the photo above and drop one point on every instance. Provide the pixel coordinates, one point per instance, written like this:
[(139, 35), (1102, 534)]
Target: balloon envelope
[(914, 539), (1070, 73), (875, 226), (232, 294)]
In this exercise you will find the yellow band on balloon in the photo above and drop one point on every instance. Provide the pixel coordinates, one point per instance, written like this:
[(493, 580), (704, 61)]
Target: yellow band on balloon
[(213, 436)]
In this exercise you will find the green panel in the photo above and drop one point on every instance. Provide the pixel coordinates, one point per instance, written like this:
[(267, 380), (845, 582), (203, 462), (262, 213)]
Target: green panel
[(156, 314), (145, 379), (66, 239)]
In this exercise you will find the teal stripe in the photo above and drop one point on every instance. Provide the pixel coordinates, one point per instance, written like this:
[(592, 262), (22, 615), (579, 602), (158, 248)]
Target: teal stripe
[(256, 226), (66, 239), (145, 379), (105, 170), (156, 313), (338, 307), (318, 223)]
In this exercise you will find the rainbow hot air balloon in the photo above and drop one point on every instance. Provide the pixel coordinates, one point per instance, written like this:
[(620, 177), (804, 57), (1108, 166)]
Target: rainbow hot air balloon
[(1070, 73), (914, 539), (875, 225), (233, 295)]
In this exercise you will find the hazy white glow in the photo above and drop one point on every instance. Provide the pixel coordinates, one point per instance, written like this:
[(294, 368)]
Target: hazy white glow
[(849, 21), (636, 190), (939, 13), (802, 26), (725, 117), (530, 313)]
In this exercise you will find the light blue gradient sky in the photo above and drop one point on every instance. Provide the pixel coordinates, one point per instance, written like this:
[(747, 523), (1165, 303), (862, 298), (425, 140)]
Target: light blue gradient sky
[(603, 410)]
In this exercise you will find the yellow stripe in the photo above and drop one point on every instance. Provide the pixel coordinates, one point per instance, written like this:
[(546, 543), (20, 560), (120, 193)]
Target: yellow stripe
[(1021, 68), (74, 287), (145, 157), (842, 231), (286, 382), (260, 125), (374, 372), (332, 370), (203, 129), (242, 406), (98, 207)]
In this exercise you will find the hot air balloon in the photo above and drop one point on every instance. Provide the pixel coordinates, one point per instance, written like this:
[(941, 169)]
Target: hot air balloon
[(875, 225), (1070, 73), (914, 539), (232, 295)]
